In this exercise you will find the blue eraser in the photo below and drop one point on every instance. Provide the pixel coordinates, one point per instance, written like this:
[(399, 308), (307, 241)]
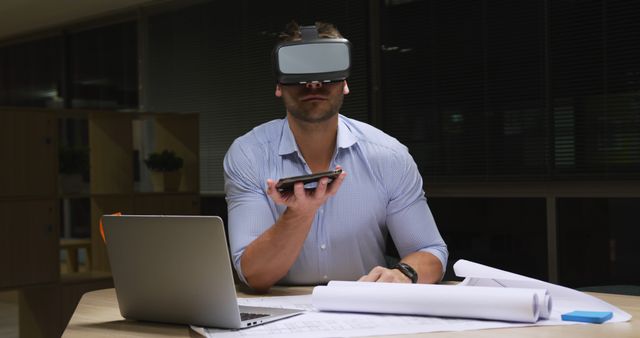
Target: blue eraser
[(587, 316)]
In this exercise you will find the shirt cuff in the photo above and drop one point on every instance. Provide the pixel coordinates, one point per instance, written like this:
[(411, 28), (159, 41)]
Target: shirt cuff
[(440, 255), (237, 264)]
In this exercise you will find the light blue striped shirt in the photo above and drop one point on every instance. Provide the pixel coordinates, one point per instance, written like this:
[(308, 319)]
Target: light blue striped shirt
[(382, 193)]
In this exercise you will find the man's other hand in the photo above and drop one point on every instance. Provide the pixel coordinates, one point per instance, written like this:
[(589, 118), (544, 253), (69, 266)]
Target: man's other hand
[(380, 274)]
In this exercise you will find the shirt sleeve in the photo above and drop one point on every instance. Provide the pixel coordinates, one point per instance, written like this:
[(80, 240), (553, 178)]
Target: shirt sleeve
[(409, 218), (249, 212)]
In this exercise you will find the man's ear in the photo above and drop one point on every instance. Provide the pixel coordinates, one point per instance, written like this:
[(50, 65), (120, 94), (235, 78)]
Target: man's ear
[(345, 89), (278, 91)]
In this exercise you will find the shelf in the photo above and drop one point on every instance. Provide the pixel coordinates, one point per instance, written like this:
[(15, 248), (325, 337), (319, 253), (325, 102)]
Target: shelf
[(74, 196), (72, 246), (82, 277), (33, 209), (119, 143)]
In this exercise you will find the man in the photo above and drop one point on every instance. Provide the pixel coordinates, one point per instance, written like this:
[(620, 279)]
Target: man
[(338, 230)]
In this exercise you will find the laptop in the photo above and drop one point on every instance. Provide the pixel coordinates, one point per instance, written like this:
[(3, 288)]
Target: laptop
[(176, 269)]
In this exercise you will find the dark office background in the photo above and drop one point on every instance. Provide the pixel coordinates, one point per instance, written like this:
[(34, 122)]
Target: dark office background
[(523, 116)]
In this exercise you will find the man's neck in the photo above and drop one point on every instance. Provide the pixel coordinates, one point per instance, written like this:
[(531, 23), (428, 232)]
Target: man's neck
[(316, 141)]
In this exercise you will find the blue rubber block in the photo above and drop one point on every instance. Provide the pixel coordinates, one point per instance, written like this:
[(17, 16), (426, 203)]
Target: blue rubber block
[(587, 316)]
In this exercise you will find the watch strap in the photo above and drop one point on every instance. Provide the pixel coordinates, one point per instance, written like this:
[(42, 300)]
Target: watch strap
[(408, 271)]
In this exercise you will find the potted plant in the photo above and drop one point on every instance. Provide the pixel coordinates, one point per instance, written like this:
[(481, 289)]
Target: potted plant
[(166, 164)]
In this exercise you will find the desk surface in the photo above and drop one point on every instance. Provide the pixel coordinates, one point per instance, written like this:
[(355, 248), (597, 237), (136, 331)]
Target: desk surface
[(97, 315)]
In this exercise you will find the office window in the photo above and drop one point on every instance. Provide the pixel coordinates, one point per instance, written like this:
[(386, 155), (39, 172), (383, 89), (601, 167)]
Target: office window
[(594, 62), (463, 87), (504, 90), (30, 74), (104, 67)]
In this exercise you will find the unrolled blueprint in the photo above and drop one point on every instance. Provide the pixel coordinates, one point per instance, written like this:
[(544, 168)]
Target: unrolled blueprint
[(318, 324)]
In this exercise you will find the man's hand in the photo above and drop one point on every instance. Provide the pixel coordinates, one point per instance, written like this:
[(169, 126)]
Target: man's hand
[(380, 274), (302, 200), (427, 266), (268, 258)]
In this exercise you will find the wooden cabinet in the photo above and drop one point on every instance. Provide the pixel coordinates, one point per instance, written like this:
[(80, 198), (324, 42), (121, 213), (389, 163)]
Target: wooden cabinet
[(30, 212), (28, 148), (29, 218), (31, 198), (28, 242)]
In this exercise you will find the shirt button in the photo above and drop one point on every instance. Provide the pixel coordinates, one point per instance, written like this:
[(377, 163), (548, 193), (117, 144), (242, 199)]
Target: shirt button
[(321, 210), (323, 247), (325, 277)]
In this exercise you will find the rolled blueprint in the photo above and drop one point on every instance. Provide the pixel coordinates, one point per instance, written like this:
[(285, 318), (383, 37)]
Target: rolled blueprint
[(544, 299), (565, 299), (504, 304)]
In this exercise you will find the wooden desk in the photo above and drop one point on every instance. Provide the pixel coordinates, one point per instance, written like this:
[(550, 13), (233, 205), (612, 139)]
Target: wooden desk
[(97, 315)]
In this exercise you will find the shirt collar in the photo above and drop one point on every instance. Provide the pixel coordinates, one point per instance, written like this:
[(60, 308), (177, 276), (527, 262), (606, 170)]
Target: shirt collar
[(288, 142), (345, 137)]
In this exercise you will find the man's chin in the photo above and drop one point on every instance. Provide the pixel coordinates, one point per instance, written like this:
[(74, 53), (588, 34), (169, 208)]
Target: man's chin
[(313, 117)]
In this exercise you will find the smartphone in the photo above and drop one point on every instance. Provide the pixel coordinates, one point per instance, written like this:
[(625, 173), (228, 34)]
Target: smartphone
[(286, 184)]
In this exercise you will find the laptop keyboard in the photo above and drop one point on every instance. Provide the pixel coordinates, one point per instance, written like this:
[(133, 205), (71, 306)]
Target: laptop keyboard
[(247, 316)]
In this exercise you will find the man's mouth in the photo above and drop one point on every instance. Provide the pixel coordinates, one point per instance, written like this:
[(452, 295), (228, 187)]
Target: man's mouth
[(309, 98)]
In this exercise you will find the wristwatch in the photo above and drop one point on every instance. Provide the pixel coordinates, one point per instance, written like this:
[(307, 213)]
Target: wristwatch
[(408, 271)]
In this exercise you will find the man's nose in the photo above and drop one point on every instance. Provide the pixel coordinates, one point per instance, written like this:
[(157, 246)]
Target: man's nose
[(313, 85)]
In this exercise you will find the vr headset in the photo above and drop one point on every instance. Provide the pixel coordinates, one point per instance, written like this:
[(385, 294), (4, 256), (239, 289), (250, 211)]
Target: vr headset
[(312, 59)]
